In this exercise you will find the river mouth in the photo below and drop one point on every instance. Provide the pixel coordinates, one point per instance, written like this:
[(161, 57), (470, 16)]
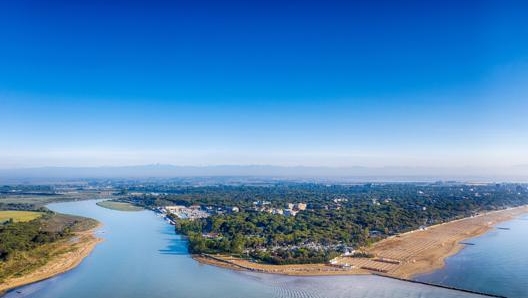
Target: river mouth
[(141, 256)]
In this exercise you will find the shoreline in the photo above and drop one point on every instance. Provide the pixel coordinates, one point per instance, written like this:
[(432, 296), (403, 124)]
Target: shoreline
[(404, 256), (85, 243), (450, 239), (316, 269)]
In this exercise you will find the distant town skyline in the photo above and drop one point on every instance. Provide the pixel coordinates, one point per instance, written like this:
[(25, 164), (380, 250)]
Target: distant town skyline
[(439, 84)]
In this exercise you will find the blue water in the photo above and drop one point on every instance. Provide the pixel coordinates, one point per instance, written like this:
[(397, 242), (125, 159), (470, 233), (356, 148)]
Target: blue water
[(497, 263), (143, 257)]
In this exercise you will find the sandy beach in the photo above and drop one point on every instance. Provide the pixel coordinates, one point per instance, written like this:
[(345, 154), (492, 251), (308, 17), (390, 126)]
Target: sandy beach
[(402, 256), (68, 254), (233, 263)]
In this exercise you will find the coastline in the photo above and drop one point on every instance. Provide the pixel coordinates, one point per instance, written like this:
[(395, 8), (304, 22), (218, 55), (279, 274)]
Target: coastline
[(317, 269), (432, 246), (84, 243), (403, 256)]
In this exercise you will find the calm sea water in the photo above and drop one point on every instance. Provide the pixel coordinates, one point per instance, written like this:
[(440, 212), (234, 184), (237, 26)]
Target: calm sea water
[(143, 257), (497, 263)]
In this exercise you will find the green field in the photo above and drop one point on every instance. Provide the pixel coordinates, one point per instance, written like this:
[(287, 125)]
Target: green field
[(120, 206), (19, 216)]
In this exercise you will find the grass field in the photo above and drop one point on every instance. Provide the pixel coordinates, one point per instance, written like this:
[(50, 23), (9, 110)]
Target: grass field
[(120, 206), (19, 216)]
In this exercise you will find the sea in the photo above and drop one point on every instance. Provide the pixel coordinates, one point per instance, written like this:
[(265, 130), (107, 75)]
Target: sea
[(141, 256)]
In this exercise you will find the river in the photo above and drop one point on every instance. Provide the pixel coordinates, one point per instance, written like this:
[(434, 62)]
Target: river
[(141, 256)]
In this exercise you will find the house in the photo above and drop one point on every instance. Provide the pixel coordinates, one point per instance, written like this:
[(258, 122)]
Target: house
[(300, 206)]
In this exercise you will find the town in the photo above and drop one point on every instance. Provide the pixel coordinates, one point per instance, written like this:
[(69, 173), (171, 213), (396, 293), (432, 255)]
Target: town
[(193, 212)]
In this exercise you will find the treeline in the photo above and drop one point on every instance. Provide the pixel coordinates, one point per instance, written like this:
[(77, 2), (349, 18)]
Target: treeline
[(338, 217), (16, 237), (439, 197), (23, 207), (312, 236), (271, 238), (24, 236)]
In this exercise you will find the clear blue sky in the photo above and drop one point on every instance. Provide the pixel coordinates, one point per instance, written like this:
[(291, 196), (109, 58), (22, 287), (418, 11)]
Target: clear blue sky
[(370, 83)]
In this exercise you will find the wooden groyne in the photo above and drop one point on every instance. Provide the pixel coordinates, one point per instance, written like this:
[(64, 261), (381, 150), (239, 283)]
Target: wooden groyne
[(440, 286), (466, 243), (373, 269)]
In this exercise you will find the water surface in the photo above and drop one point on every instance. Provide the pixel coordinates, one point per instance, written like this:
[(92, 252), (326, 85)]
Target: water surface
[(143, 257), (497, 263)]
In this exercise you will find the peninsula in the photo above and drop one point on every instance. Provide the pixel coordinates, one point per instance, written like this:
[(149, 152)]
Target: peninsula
[(43, 247), (387, 228), (403, 256)]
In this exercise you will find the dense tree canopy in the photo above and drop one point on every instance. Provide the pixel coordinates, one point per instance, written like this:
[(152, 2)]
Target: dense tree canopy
[(338, 217)]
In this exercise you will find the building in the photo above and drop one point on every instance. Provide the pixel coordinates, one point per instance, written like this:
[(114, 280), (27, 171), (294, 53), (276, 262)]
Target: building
[(289, 212), (300, 206)]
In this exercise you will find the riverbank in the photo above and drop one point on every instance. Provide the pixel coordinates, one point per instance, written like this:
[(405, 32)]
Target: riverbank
[(119, 206), (66, 255), (403, 256)]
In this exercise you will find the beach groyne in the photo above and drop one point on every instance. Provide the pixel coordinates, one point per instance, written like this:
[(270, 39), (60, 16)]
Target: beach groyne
[(440, 286)]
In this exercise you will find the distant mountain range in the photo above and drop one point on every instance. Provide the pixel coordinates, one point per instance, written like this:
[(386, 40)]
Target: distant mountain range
[(516, 173)]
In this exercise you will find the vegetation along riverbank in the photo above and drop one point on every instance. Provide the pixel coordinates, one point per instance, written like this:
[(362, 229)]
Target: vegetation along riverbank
[(43, 247), (119, 206)]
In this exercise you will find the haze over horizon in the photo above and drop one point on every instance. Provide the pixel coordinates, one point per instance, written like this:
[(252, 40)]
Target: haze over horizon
[(426, 84)]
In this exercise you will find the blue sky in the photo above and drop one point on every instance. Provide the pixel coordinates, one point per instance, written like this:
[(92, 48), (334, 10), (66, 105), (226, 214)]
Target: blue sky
[(370, 83)]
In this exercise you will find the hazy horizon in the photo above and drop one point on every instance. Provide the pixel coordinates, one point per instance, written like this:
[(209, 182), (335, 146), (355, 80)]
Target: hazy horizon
[(267, 173)]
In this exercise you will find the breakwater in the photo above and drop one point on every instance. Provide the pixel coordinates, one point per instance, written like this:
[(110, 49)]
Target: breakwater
[(441, 286)]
